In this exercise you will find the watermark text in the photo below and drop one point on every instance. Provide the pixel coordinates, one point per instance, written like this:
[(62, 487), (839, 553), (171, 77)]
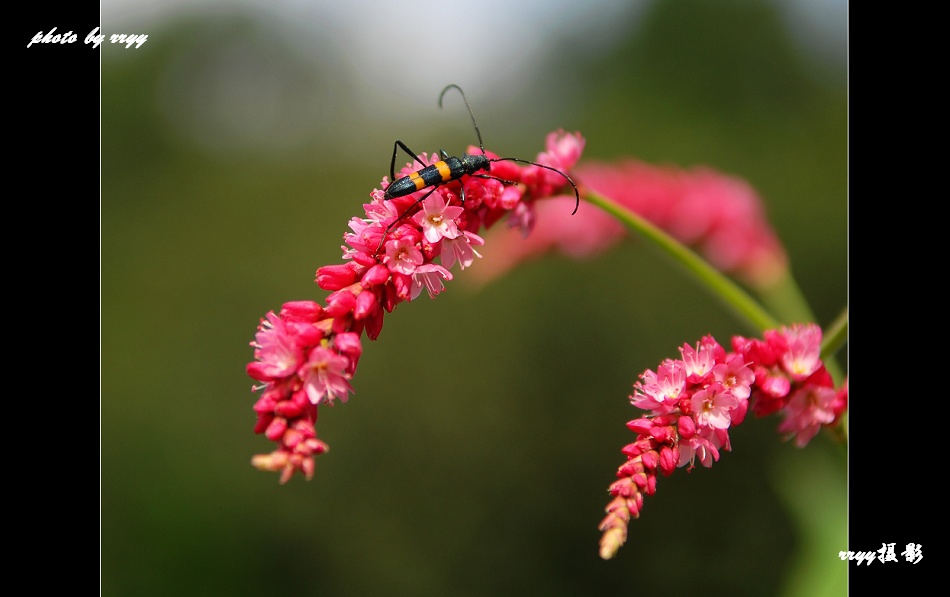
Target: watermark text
[(913, 553), (94, 38)]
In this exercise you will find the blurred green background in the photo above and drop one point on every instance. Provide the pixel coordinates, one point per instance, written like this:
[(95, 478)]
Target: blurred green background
[(475, 456)]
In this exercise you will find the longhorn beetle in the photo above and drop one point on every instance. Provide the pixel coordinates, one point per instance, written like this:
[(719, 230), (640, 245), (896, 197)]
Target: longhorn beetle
[(448, 169)]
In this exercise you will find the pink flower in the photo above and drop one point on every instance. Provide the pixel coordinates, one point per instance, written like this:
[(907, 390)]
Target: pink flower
[(697, 447), (802, 354), (660, 392), (403, 256), (325, 376), (430, 277), (699, 362), (735, 375), (788, 358), (711, 406), (562, 150), (277, 352), (459, 249), (808, 408), (437, 219)]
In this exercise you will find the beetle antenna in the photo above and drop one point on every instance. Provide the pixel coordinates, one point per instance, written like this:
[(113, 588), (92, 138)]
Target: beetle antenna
[(470, 113)]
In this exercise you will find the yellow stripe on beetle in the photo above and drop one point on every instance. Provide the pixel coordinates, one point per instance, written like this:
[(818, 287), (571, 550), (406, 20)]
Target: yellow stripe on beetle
[(417, 180), (444, 171)]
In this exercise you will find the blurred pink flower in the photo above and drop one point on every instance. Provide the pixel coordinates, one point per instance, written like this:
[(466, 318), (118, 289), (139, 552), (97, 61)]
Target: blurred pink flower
[(721, 216)]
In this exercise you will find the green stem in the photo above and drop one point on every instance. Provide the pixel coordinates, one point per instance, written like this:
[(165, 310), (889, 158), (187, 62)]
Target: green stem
[(727, 290), (835, 336)]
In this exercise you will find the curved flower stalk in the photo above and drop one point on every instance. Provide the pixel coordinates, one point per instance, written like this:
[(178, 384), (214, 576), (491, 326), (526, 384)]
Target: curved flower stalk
[(692, 402), (307, 353)]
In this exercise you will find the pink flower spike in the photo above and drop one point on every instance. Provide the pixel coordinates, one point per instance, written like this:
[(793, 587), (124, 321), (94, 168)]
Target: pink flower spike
[(437, 219), (692, 404), (307, 353)]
